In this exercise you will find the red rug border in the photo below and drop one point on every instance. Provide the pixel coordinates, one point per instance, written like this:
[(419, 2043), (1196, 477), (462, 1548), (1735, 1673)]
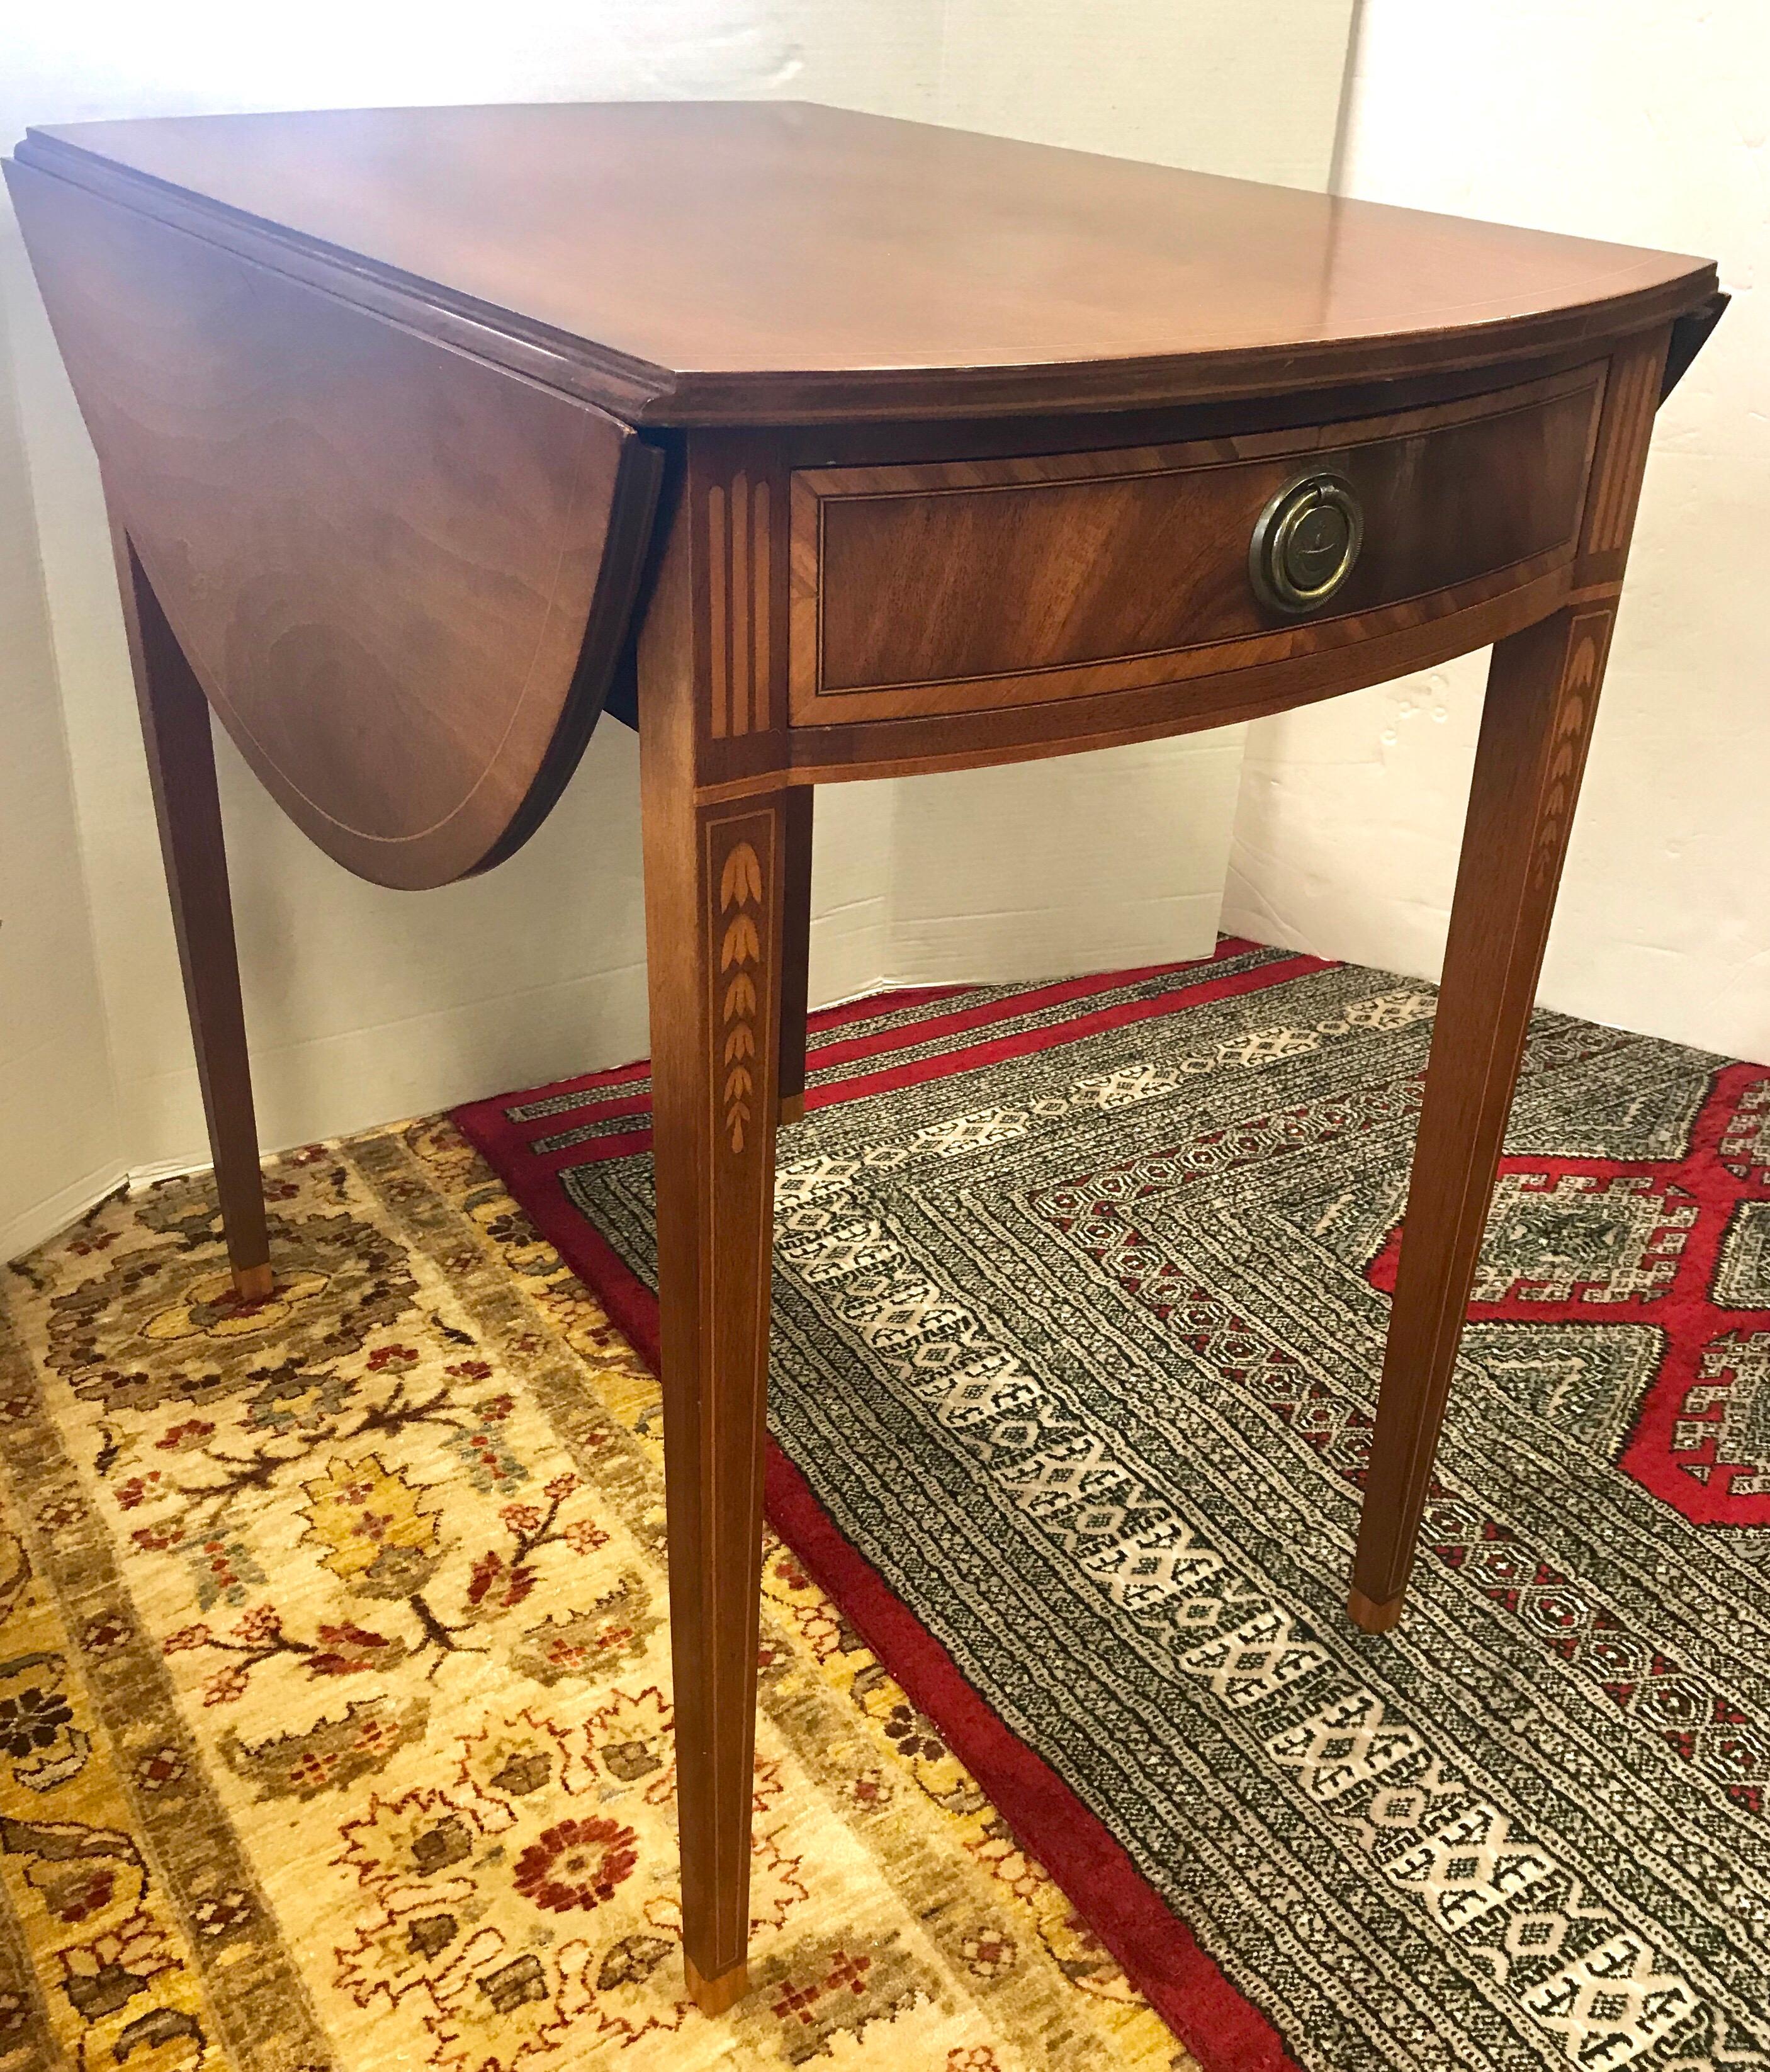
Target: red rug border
[(1158, 1950), (1155, 1949)]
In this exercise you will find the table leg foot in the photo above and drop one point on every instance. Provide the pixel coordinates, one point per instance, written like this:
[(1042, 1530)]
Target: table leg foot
[(713, 926), (1375, 1618), (717, 1995), (252, 1283), (792, 1108)]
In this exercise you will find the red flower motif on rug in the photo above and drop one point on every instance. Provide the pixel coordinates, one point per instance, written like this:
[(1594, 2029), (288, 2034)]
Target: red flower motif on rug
[(577, 1865)]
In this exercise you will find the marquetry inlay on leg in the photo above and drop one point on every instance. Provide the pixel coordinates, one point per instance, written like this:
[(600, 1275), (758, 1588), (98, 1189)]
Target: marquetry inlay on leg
[(740, 923)]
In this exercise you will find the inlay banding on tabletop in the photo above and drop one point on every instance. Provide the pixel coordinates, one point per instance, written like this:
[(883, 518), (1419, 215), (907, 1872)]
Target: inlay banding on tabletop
[(401, 575)]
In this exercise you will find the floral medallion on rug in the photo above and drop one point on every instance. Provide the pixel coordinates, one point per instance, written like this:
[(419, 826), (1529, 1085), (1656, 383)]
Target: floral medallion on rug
[(336, 1729), (1080, 1298)]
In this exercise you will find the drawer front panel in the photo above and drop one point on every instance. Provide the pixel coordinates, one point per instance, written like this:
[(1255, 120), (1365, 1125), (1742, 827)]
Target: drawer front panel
[(959, 586)]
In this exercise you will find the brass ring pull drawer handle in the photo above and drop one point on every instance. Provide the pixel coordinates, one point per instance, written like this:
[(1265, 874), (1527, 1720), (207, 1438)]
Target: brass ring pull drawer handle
[(1306, 543)]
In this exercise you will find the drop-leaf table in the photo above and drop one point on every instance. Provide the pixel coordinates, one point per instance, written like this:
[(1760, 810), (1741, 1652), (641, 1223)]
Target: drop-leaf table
[(836, 447)]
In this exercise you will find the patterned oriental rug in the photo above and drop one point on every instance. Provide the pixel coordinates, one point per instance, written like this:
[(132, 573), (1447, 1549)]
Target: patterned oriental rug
[(1080, 1297), (335, 1689)]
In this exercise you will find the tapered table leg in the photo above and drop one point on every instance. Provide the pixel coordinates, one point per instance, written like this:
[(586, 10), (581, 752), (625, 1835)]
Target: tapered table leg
[(181, 766), (714, 881), (1542, 693), (796, 947)]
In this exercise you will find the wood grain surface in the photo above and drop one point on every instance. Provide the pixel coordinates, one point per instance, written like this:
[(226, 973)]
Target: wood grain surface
[(1542, 699), (180, 750), (401, 575), (732, 262), (965, 584), (796, 823), (716, 938), (1542, 692)]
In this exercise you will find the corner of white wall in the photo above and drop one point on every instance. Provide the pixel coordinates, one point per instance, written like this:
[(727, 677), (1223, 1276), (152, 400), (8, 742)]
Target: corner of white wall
[(358, 1010), (1351, 811), (62, 1145)]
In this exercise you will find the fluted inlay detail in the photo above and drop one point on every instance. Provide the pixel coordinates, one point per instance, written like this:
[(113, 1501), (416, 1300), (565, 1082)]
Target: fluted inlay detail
[(1633, 400), (739, 645)]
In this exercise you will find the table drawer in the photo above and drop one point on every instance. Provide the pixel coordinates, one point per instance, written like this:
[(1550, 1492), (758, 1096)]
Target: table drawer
[(959, 586)]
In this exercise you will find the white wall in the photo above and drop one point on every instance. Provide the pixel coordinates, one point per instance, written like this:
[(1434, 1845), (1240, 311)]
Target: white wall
[(1118, 858), (363, 1003), (59, 1142), (1644, 121)]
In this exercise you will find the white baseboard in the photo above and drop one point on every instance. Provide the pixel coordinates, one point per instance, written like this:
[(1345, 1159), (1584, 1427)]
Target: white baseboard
[(50, 1218), (140, 1177), (47, 1217)]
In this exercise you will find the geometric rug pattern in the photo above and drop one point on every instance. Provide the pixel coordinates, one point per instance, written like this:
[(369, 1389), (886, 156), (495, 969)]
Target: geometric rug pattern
[(1080, 1298)]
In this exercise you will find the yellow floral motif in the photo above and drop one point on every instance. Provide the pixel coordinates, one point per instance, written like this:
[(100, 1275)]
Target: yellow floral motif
[(104, 1940), (358, 1510), (741, 879), (210, 1309), (497, 1890), (138, 1946), (507, 1762)]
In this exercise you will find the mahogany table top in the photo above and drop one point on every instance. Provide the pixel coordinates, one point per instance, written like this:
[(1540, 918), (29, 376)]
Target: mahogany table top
[(749, 261)]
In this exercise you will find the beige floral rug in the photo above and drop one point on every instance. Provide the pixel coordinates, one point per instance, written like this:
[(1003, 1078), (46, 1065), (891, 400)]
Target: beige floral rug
[(334, 1688)]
